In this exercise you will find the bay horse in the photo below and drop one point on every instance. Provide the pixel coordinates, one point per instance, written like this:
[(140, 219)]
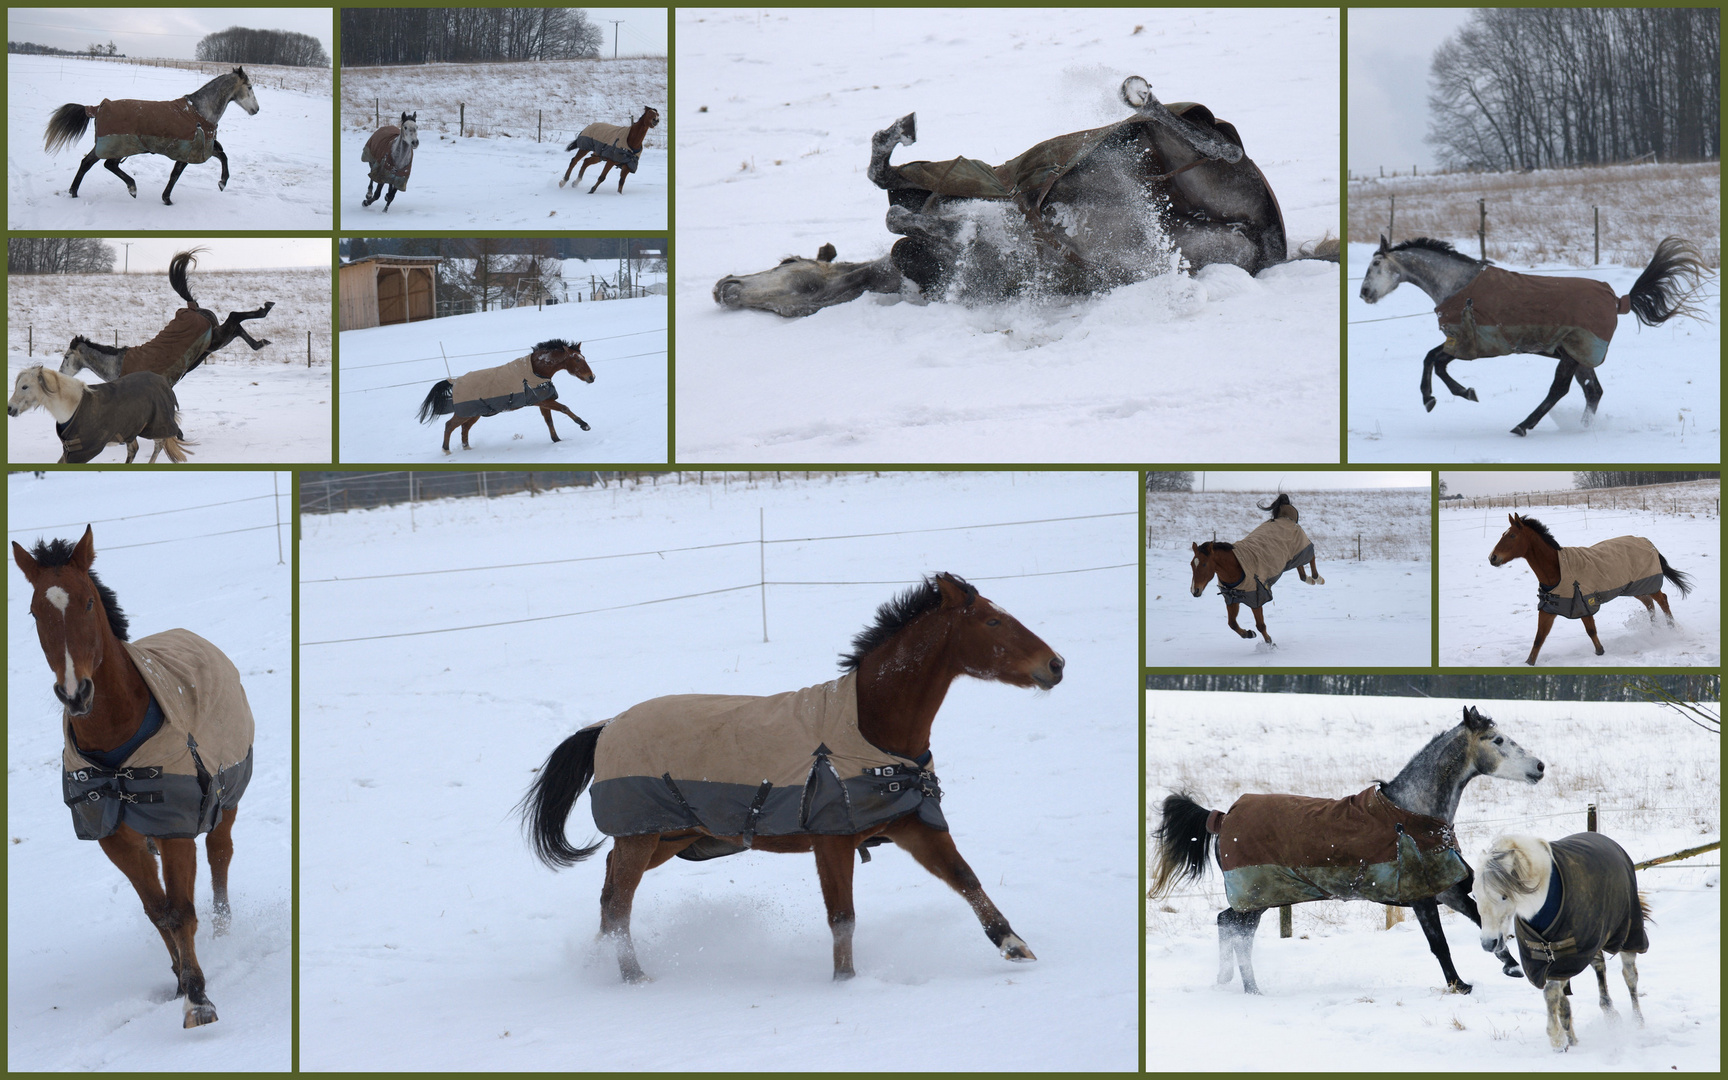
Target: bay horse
[(89, 419), (609, 145), (897, 674), (1485, 311), (1431, 784), (491, 391), (1274, 550), (390, 153), (1528, 539), (182, 345), (136, 781), (183, 129)]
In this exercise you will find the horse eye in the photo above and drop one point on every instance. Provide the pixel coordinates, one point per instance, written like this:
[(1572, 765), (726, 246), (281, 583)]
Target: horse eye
[(1498, 739), (90, 604), (992, 622)]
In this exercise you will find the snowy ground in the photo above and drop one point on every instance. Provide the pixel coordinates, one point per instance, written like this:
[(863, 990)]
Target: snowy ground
[(775, 113), (387, 371), (1661, 386), (280, 175), (1488, 614), (87, 978), (238, 406), (1345, 990), (430, 939), (1372, 611)]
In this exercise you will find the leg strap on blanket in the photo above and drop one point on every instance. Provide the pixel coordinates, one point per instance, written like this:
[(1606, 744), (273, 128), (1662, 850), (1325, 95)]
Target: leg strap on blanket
[(148, 773), (755, 812), (120, 794)]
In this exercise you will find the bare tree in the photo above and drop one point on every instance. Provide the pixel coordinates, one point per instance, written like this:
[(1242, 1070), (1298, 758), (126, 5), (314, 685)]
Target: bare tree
[(58, 255), (1169, 480)]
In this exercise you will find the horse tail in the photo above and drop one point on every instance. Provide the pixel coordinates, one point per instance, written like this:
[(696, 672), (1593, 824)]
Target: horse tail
[(1680, 581), (177, 268), (572, 145), (1644, 906), (176, 448), (65, 126), (440, 399), (1326, 249), (1665, 288), (1182, 843), (1277, 507), (547, 805)]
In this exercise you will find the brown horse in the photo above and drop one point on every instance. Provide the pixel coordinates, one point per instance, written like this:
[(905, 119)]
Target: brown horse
[(898, 672), (533, 373), (1528, 539), (1215, 558), (134, 811), (609, 145)]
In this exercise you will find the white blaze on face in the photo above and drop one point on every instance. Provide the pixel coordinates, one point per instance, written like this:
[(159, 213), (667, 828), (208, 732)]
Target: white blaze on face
[(68, 676), (57, 596)]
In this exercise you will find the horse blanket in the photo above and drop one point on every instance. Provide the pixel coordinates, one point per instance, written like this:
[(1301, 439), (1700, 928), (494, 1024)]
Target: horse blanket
[(611, 142), (754, 766), (1501, 312), (1592, 576), (504, 388), (1265, 554), (177, 349), (377, 154), (173, 129), (191, 759), (1287, 849), (139, 405), (1595, 911)]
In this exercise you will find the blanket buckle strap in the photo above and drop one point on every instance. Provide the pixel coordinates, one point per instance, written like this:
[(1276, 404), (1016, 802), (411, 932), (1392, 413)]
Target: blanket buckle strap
[(749, 833)]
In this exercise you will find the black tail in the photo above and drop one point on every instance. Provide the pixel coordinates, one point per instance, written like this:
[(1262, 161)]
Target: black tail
[(1182, 843), (1666, 286), (65, 126), (177, 268), (1680, 581), (549, 800), (1276, 506), (572, 145), (441, 399)]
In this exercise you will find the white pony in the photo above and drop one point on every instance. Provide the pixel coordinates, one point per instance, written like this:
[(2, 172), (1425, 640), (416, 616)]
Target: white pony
[(88, 419)]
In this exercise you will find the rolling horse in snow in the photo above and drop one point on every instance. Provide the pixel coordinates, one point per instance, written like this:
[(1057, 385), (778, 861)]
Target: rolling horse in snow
[(608, 145), (390, 153), (1391, 844), (524, 381), (183, 129), (1486, 311), (1247, 569)]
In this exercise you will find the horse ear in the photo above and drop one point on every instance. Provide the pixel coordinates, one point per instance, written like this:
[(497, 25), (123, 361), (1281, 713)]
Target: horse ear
[(24, 561), (1195, 547), (1475, 721), (1512, 518), (85, 553), (952, 594), (1384, 243)]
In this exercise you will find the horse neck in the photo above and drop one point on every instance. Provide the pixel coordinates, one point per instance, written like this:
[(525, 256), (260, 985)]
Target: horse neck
[(211, 100), (1227, 566), (1437, 273), (638, 132), (1433, 781), (107, 365), (901, 685), (120, 700), (400, 152), (1544, 561), (62, 406)]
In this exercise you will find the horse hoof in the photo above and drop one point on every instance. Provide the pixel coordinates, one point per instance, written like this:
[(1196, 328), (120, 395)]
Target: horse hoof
[(199, 1015), (221, 185), (1600, 650), (1458, 986), (1428, 404), (1470, 394), (845, 976), (1519, 431), (561, 183), (637, 977), (583, 426)]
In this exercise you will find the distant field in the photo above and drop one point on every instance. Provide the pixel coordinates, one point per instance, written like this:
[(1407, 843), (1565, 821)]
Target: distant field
[(1391, 522), (305, 80), (1693, 498)]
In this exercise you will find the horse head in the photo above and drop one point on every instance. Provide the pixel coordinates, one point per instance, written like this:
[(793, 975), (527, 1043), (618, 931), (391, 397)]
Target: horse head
[(1492, 754), (242, 93), (650, 117), (1383, 273), (988, 643), (1203, 566), (411, 129), (550, 357), (1509, 874), (74, 613), (800, 286)]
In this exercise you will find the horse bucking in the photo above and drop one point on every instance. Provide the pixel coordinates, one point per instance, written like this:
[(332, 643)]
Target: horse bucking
[(1247, 569)]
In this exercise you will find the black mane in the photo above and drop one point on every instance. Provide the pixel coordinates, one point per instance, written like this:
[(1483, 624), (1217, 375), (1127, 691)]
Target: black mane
[(1217, 545), (59, 553), (1430, 244), (99, 347), (1541, 530), (893, 616), (557, 343)]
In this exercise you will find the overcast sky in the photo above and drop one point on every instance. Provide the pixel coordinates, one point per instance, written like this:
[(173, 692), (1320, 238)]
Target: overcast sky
[(171, 33), (643, 32), (1247, 480), (1389, 54), (1504, 483), (150, 254)]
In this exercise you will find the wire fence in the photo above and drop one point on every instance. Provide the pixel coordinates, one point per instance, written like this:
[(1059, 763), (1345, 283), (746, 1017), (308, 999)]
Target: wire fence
[(280, 520), (511, 352)]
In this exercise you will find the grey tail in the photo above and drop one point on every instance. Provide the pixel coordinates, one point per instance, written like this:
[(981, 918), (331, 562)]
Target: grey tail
[(65, 126)]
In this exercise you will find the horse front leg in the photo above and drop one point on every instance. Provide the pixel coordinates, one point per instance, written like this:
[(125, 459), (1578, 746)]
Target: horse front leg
[(372, 193), (546, 414), (83, 167), (1560, 1033), (1563, 373), (935, 852), (222, 156), (1230, 610), (834, 862), (606, 167), (625, 864), (560, 407), (132, 452), (173, 178), (1428, 401), (1457, 388), (113, 166), (1428, 916), (1544, 623), (1589, 622), (623, 174)]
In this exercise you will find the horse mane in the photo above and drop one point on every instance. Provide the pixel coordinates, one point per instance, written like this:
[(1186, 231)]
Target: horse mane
[(1541, 530), (1501, 870), (892, 617), (1217, 545), (1428, 243), (98, 346), (557, 343), (58, 552)]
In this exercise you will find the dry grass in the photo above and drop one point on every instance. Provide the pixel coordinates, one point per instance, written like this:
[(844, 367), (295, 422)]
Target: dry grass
[(263, 76), (1693, 497), (1391, 524)]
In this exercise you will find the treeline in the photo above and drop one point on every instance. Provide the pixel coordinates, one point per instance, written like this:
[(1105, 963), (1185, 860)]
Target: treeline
[(244, 45), (1485, 687), (1607, 478), (561, 247), (58, 255), (1169, 480), (30, 48), (428, 35), (1524, 88)]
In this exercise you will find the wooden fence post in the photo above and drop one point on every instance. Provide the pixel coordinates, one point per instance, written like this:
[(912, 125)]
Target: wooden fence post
[(1284, 921), (1590, 817), (1394, 916), (462, 120), (1392, 219), (308, 348), (1482, 227), (1597, 211)]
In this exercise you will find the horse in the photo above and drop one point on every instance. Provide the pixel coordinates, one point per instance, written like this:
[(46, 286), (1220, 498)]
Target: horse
[(609, 145), (1623, 566), (88, 419), (1486, 311), (183, 129), (849, 762), (390, 152), (182, 345), (148, 767), (1568, 903), (1428, 787), (490, 391), (1247, 569)]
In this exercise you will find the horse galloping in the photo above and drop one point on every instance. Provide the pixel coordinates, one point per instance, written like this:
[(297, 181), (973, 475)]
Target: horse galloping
[(1247, 569), (390, 153), (609, 145), (183, 129), (89, 419), (524, 381)]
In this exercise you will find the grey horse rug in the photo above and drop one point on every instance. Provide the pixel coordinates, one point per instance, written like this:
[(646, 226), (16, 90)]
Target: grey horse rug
[(743, 767), (139, 405), (504, 388), (1287, 849), (1501, 312), (1592, 908), (176, 349), (1265, 554), (173, 129), (1592, 576), (191, 759), (611, 142), (385, 169)]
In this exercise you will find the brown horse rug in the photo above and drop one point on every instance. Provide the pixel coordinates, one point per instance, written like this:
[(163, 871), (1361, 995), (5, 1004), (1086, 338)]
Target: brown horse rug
[(377, 154), (1287, 849), (191, 758), (173, 129), (504, 388), (1592, 576), (176, 349), (611, 142), (139, 405), (1592, 907), (737, 766), (1265, 554), (1501, 312)]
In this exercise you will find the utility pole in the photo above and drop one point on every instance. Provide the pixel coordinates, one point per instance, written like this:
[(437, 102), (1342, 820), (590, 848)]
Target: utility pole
[(127, 265), (615, 23)]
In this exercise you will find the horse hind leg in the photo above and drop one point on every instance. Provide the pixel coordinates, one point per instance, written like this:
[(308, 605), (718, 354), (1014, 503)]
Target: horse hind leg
[(1592, 388), (132, 452), (1563, 373), (1662, 602), (83, 167), (571, 169), (1629, 969), (233, 327), (219, 853), (372, 193), (389, 197), (451, 425), (1236, 942), (1589, 622), (173, 178), (1428, 917), (625, 864), (113, 166)]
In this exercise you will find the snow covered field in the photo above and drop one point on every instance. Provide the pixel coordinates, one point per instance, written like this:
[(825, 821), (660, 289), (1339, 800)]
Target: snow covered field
[(87, 978), (429, 937), (775, 114), (1488, 614), (238, 406), (280, 175), (1344, 992), (1372, 612), (387, 371), (1661, 401)]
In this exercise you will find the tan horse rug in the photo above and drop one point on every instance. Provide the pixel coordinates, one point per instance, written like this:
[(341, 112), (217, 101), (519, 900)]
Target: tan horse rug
[(1269, 551), (1592, 576), (611, 142), (170, 128), (1592, 907), (384, 170), (1501, 312), (504, 388)]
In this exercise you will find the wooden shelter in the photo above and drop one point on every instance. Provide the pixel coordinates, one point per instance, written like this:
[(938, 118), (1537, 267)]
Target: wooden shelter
[(380, 290)]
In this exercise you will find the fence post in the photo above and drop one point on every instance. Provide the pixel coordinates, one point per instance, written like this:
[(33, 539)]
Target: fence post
[(308, 348), (1590, 817), (1597, 211), (276, 489), (32, 340), (462, 120), (1482, 227), (1392, 220), (762, 565), (375, 123), (539, 122), (1284, 921), (1358, 547)]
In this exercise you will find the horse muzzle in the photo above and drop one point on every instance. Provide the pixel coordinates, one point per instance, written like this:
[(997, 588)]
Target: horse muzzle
[(1197, 592), (1493, 560), (1368, 297), (727, 292), (1050, 674), (77, 704)]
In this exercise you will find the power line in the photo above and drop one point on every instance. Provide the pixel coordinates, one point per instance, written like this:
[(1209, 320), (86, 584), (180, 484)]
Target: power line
[(490, 352), (152, 513), (422, 382)]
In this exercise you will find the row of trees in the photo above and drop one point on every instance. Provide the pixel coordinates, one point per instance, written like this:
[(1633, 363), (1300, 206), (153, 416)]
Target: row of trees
[(1521, 88), (426, 35), (1169, 480), (1472, 686), (58, 255), (1608, 478), (244, 45)]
